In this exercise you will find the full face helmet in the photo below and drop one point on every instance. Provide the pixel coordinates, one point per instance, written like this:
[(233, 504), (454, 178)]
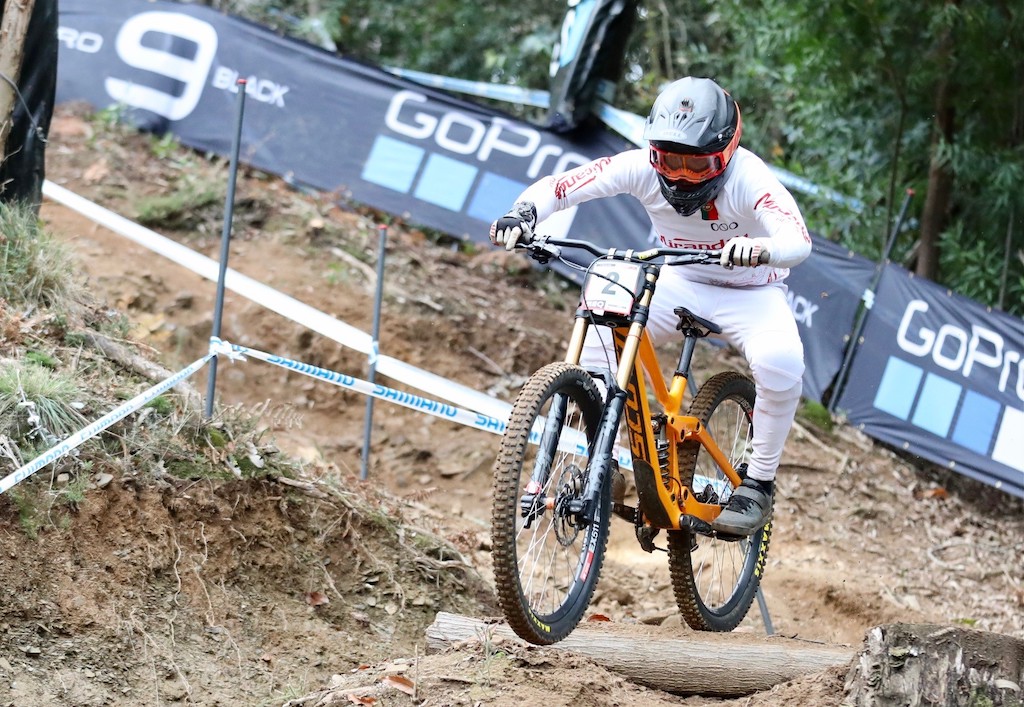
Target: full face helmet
[(693, 130)]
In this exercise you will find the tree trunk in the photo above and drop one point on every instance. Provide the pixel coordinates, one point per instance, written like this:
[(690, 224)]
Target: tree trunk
[(922, 665), (13, 26), (713, 664), (935, 214)]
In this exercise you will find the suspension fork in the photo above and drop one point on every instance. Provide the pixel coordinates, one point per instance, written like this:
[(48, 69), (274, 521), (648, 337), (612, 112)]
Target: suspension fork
[(601, 456)]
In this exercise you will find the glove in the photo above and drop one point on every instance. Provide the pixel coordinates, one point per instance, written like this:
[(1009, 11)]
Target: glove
[(741, 251), (516, 226)]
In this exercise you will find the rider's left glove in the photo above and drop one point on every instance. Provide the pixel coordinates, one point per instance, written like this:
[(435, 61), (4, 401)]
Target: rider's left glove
[(741, 251), (515, 227)]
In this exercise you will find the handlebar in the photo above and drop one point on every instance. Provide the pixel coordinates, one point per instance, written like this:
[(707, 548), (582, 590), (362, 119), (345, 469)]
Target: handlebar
[(543, 248)]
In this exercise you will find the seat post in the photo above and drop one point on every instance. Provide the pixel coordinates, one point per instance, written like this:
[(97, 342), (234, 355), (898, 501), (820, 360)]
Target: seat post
[(686, 355)]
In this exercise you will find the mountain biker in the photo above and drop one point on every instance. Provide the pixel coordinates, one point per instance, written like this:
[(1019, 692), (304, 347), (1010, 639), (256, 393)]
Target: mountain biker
[(702, 190)]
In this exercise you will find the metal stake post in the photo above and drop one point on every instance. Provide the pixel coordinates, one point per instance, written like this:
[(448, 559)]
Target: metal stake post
[(374, 349), (225, 238), (763, 606), (869, 300)]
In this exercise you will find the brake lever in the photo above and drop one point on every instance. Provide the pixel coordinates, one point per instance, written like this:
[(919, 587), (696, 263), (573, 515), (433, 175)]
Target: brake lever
[(542, 252)]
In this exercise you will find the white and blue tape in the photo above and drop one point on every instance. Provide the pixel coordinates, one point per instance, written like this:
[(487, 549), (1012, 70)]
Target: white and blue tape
[(86, 433)]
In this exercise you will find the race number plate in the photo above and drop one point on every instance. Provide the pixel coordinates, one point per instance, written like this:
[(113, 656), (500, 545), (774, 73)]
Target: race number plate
[(611, 287)]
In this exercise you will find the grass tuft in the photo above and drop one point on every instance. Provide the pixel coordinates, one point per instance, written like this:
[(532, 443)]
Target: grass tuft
[(34, 266), (34, 399)]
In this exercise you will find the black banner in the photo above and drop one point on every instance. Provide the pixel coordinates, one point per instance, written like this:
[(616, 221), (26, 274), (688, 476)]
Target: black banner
[(942, 377), (824, 294), (589, 59)]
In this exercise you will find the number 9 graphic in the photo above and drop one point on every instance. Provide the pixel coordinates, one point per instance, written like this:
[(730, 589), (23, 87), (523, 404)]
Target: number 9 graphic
[(190, 72)]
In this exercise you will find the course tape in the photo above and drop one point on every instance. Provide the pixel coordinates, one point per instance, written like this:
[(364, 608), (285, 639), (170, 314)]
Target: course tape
[(288, 307), (409, 400), (415, 402), (75, 440)]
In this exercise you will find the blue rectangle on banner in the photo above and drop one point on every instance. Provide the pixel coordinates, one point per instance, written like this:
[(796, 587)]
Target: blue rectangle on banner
[(898, 388), (935, 408), (445, 182), (393, 163), (976, 422), (494, 196), (1007, 449)]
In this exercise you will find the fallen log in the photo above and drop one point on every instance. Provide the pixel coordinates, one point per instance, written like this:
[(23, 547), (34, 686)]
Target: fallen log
[(712, 664), (925, 665)]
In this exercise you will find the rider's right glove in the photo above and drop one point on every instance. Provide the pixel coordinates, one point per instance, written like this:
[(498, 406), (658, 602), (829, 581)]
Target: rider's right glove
[(516, 226)]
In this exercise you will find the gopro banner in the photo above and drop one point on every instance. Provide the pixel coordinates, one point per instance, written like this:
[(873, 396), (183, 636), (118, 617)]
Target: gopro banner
[(344, 127), (324, 121), (824, 294), (942, 377)]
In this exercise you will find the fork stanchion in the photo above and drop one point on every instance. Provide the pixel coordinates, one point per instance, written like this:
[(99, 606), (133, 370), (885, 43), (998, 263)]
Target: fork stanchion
[(374, 349), (225, 239)]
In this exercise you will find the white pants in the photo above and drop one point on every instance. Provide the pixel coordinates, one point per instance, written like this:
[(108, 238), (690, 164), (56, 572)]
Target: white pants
[(759, 323)]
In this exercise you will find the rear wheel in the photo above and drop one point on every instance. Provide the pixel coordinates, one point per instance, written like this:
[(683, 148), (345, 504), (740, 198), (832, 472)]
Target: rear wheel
[(546, 560), (715, 578)]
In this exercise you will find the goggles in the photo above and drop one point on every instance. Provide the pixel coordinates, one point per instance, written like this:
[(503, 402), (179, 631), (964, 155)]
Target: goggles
[(676, 167)]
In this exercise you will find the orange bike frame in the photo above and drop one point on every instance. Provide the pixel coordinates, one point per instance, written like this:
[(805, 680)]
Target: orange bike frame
[(635, 352), (679, 429)]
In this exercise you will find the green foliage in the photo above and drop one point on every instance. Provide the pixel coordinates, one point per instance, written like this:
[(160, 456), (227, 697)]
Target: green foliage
[(165, 146), (30, 517), (816, 414), (41, 358), (74, 493), (845, 94), (161, 404)]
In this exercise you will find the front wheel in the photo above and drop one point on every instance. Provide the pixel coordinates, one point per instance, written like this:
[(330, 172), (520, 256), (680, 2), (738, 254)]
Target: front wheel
[(546, 559), (715, 578)]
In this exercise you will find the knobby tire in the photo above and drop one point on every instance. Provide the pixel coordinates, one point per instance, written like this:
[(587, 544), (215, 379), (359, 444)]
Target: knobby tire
[(715, 580), (541, 607)]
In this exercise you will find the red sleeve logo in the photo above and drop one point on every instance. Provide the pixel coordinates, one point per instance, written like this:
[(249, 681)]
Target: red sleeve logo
[(769, 204), (571, 181)]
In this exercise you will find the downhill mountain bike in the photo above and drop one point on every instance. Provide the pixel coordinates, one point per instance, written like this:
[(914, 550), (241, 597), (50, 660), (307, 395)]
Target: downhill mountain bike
[(552, 504)]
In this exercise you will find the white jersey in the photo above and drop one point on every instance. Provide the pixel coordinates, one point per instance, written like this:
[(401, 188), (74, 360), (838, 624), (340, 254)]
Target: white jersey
[(752, 203)]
